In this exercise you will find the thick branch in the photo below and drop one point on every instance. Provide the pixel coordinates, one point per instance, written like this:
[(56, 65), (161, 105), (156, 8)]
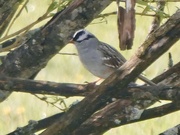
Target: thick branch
[(157, 43), (43, 87), (121, 112), (36, 126), (165, 94), (70, 89), (111, 115), (154, 0), (7, 10), (172, 131), (171, 77), (161, 0), (34, 54)]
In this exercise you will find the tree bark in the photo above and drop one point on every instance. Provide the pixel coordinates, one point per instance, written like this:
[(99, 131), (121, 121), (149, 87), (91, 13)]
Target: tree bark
[(157, 43), (121, 112), (164, 92), (7, 10), (172, 131), (34, 54)]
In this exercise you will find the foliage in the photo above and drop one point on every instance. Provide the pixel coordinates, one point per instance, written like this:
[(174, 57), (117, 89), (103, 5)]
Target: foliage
[(23, 105)]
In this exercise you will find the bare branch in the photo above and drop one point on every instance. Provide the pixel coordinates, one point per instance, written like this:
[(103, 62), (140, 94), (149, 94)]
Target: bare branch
[(34, 53), (160, 0), (7, 45), (42, 87), (170, 77), (7, 10), (17, 15), (37, 126), (154, 0), (121, 112), (75, 54), (146, 54), (172, 131), (157, 19), (163, 93), (70, 89), (111, 115)]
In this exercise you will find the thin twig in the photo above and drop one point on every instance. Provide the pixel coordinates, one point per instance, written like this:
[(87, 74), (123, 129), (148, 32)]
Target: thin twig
[(75, 54), (170, 61), (16, 17), (158, 18), (60, 100), (115, 13), (25, 28)]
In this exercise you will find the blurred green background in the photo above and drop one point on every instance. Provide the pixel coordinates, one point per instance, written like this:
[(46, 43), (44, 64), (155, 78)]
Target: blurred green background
[(19, 108)]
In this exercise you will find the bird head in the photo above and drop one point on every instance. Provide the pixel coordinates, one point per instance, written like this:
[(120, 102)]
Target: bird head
[(81, 35)]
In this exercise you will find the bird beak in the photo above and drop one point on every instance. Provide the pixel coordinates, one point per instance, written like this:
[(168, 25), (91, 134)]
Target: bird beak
[(71, 41)]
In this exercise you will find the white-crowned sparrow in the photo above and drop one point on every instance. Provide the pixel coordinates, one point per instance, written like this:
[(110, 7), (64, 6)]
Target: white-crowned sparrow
[(99, 58)]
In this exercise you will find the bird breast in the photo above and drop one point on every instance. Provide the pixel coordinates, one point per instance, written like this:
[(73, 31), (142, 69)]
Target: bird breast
[(92, 61)]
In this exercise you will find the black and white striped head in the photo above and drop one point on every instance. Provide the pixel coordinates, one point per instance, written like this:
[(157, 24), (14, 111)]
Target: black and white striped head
[(82, 35)]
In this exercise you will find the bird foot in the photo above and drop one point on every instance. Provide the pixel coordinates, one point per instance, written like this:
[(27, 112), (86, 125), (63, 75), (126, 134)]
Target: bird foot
[(92, 84)]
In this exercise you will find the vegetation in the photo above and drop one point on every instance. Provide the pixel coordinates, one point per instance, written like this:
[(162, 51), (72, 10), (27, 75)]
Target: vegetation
[(21, 30)]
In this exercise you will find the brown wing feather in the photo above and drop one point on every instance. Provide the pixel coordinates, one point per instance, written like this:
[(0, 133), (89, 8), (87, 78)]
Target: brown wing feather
[(112, 58)]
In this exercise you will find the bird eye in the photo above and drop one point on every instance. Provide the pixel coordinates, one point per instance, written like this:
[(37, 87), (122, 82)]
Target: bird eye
[(78, 35)]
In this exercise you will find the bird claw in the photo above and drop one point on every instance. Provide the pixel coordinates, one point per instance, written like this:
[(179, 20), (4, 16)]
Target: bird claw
[(91, 85)]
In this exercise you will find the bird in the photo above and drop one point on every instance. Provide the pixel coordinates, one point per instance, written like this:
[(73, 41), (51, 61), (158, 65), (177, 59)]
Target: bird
[(98, 57)]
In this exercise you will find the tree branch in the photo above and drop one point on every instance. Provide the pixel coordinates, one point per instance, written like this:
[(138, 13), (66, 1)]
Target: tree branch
[(35, 126), (34, 53), (31, 57), (171, 76), (154, 0), (172, 131), (7, 10), (111, 115), (166, 94), (121, 112), (70, 89), (43, 87), (157, 19), (157, 43)]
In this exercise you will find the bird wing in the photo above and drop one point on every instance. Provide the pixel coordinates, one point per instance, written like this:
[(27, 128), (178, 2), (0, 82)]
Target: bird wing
[(111, 57)]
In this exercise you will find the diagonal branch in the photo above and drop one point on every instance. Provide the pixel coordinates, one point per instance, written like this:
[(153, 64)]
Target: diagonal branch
[(171, 94), (7, 10), (33, 127), (170, 77), (157, 43), (122, 112), (172, 131), (157, 19), (35, 52), (111, 115)]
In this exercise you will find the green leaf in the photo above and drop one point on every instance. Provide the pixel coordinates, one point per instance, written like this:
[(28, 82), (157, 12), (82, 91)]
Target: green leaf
[(142, 2), (52, 6), (26, 8)]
